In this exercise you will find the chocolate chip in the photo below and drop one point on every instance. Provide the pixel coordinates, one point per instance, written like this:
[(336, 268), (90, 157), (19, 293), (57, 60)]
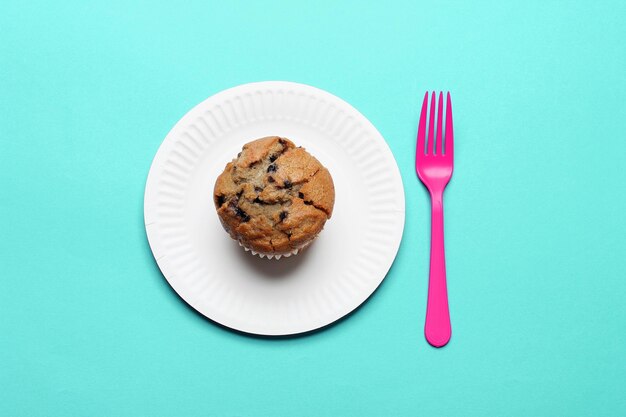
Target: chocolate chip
[(283, 215), (258, 189), (239, 154), (244, 216), (282, 141), (308, 203), (288, 184), (273, 158), (300, 195), (271, 168), (219, 200), (257, 201), (270, 179), (239, 193)]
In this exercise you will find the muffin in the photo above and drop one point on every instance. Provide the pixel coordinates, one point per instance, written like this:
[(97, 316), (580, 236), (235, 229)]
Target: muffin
[(274, 198)]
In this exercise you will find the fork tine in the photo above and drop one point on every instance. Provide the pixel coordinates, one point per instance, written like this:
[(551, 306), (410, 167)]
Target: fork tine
[(421, 129), (431, 127), (439, 144), (449, 148)]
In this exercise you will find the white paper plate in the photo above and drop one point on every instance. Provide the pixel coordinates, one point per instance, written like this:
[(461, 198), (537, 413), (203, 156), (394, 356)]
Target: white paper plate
[(329, 279)]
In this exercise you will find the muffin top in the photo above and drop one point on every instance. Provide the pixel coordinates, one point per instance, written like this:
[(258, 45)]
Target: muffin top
[(274, 197)]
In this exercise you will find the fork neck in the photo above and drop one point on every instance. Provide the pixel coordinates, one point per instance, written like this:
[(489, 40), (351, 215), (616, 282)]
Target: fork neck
[(436, 195)]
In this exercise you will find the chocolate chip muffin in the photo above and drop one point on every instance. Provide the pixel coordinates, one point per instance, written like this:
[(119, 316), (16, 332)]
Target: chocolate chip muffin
[(274, 198)]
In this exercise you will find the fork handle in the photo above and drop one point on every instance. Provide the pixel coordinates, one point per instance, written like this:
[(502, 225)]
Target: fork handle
[(437, 329)]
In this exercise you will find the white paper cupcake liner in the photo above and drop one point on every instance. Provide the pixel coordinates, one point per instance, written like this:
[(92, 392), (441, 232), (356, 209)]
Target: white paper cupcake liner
[(276, 255)]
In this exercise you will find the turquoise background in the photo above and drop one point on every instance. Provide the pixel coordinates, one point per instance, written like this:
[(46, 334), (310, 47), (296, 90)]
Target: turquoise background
[(535, 212)]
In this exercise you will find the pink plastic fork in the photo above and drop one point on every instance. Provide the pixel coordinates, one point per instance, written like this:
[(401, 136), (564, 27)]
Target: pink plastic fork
[(434, 164)]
